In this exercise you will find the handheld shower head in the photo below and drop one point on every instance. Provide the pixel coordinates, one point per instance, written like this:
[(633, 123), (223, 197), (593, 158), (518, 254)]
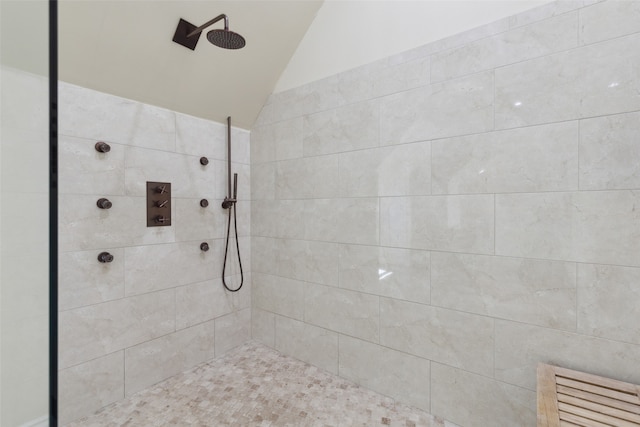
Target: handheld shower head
[(188, 34)]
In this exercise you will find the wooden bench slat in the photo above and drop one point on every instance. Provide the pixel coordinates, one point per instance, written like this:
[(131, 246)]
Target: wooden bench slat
[(625, 397), (580, 421), (596, 416), (597, 380), (568, 398), (598, 408), (548, 414), (603, 400)]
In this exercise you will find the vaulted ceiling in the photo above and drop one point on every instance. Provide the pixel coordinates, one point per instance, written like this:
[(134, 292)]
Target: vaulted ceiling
[(125, 48)]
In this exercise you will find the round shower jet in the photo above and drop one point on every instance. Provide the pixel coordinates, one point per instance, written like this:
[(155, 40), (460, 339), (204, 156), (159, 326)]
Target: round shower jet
[(188, 34)]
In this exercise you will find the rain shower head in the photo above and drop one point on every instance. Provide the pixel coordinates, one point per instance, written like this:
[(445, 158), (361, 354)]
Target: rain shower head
[(188, 34)]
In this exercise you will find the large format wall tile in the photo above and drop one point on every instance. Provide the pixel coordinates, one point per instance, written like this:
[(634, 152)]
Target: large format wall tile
[(314, 177), (187, 176), (83, 170), (263, 181), (155, 360), (594, 226), (232, 330), (308, 260), (278, 295), (520, 347), (539, 158), (155, 267), (531, 41), (96, 330), (85, 281), (448, 223), (89, 114), (278, 141), (200, 302), (555, 88), (405, 170), (82, 225), (263, 326), (475, 401), (351, 313), (342, 220), (347, 128), (87, 387), (456, 107), (308, 343), (200, 137), (193, 222), (609, 155), (278, 218), (359, 174), (609, 302), (526, 290), (384, 77), (392, 272), (607, 20), (459, 339), (386, 371)]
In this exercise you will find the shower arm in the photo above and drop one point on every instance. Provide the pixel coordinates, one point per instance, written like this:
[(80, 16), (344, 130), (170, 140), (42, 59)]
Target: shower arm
[(213, 21)]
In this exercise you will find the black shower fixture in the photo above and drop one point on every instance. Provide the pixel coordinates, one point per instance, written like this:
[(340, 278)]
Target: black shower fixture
[(188, 34)]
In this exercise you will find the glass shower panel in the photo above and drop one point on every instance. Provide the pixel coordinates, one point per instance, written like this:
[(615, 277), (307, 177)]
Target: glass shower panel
[(24, 213)]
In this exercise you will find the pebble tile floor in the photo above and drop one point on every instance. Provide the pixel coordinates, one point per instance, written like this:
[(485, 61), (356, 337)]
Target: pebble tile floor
[(254, 385)]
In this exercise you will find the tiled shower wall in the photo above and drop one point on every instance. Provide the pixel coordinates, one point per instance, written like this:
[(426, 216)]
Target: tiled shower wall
[(434, 224), (159, 308)]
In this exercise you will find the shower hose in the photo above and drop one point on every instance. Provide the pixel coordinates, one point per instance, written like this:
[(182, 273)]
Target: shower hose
[(226, 249)]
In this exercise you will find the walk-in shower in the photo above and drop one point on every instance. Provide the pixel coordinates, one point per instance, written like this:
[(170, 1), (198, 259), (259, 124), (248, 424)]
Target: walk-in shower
[(230, 203), (188, 34)]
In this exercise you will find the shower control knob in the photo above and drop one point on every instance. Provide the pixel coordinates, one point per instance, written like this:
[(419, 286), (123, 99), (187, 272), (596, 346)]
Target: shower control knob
[(102, 147), (204, 246), (204, 203), (162, 203), (161, 189), (104, 203), (160, 219), (204, 161), (105, 257)]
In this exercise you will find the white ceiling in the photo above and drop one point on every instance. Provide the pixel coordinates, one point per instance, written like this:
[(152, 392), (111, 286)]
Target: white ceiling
[(125, 48)]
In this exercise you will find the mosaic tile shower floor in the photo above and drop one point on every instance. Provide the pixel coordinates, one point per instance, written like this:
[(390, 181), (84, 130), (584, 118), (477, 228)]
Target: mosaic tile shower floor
[(254, 385)]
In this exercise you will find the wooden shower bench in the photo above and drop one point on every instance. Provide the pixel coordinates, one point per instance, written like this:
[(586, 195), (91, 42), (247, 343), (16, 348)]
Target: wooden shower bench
[(571, 398)]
